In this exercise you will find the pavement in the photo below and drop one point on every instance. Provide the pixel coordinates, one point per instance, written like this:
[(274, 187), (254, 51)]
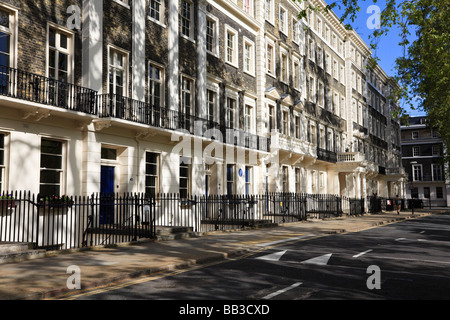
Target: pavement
[(47, 277)]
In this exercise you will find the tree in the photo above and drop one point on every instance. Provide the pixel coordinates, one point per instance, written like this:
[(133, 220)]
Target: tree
[(423, 72)]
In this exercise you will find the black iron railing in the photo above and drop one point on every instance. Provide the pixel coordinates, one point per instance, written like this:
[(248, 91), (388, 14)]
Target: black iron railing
[(35, 88), (120, 107), (327, 155), (31, 87), (75, 222)]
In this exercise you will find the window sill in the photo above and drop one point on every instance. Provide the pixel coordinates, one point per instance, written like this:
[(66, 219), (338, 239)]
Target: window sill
[(122, 4), (232, 64), (157, 22), (251, 74), (187, 38)]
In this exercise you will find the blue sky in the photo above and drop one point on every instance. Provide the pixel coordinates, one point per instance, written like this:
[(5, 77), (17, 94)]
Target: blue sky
[(388, 48)]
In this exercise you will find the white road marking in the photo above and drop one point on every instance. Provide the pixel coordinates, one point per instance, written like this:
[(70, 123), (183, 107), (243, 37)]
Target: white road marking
[(273, 257), (270, 296), (319, 261), (409, 259), (400, 239), (284, 240), (362, 253)]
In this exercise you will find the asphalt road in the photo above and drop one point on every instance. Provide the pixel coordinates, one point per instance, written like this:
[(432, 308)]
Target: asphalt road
[(400, 261)]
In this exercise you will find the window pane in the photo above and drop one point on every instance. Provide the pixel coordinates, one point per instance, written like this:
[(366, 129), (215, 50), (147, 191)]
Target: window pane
[(50, 176), (52, 147), (63, 41), (2, 151), (49, 190), (51, 162), (4, 19), (109, 154), (52, 38)]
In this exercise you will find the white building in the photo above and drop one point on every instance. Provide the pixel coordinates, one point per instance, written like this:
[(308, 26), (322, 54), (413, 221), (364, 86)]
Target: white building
[(97, 108)]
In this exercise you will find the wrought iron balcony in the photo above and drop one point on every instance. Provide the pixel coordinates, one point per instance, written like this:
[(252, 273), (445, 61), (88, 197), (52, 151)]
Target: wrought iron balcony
[(326, 155), (31, 87), (119, 107)]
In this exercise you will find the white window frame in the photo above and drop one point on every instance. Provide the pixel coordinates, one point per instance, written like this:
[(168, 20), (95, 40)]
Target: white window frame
[(69, 51), (191, 92), (440, 172), (312, 50), (62, 171), (416, 151), (296, 65), (284, 66), (327, 33), (295, 31), (211, 104), (320, 94), (436, 150), (342, 73), (248, 185), (161, 20), (271, 11), (235, 49), (335, 69), (284, 179), (270, 69), (342, 108), (285, 122), (249, 8), (123, 3), (312, 89), (320, 56), (283, 24), (328, 67), (231, 123), (113, 50), (215, 42), (319, 26), (249, 112), (190, 19), (158, 171), (4, 166), (161, 81), (414, 177), (250, 55), (186, 163), (12, 31)]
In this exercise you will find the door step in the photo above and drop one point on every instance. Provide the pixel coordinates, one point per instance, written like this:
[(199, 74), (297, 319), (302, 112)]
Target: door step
[(18, 252)]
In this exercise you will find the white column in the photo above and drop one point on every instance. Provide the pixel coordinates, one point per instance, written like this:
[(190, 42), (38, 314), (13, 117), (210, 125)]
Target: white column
[(91, 162), (201, 59), (138, 38), (358, 185), (92, 45), (261, 112), (173, 55)]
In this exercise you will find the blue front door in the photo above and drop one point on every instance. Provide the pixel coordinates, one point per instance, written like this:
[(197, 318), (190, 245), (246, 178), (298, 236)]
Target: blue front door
[(107, 195)]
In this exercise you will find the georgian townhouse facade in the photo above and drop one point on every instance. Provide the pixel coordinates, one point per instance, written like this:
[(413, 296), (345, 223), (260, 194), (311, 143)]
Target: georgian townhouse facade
[(424, 164), (191, 97)]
